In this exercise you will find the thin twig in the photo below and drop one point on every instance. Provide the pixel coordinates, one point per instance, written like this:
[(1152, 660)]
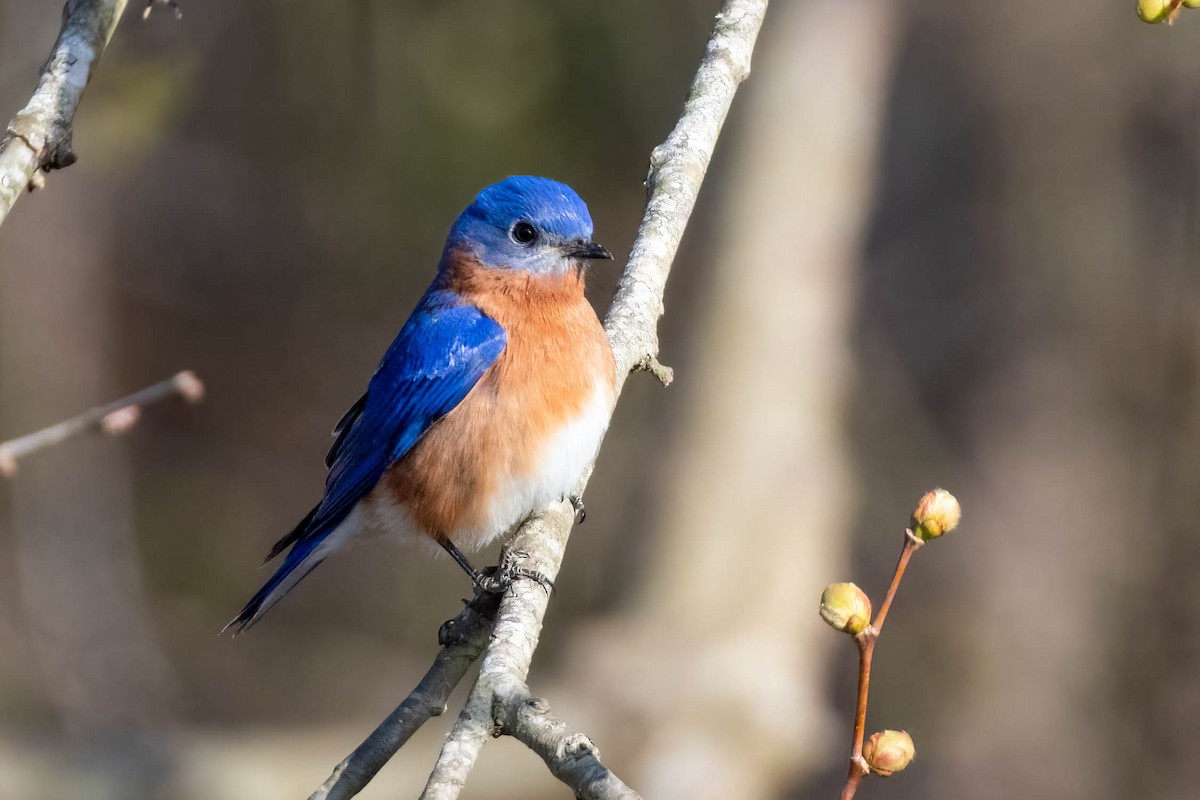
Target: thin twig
[(866, 652), (39, 136), (500, 701), (911, 543), (114, 418)]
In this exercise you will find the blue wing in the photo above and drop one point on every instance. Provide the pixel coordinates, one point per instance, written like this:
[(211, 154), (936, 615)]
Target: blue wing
[(440, 354)]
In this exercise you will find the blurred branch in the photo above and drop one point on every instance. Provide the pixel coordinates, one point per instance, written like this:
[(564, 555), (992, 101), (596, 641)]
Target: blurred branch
[(39, 136), (114, 418), (500, 702)]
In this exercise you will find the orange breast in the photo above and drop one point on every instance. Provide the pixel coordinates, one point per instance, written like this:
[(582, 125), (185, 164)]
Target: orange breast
[(555, 361)]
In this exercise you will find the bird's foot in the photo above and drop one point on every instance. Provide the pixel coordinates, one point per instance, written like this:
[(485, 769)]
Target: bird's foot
[(580, 511), (496, 580)]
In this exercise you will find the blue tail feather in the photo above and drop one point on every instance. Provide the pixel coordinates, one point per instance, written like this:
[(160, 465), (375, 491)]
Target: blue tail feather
[(298, 563)]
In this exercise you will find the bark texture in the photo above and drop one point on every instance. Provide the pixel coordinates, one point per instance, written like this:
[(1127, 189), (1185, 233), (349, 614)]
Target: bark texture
[(39, 136)]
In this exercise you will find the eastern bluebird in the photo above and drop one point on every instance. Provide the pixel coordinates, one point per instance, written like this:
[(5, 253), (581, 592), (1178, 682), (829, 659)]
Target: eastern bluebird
[(489, 404)]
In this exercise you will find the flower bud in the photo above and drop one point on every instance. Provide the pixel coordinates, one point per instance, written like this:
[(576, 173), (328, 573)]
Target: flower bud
[(1192, 3), (888, 751), (937, 513), (1153, 11), (845, 607)]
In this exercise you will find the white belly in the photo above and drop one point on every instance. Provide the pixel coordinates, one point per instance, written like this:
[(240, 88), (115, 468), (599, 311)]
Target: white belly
[(557, 470)]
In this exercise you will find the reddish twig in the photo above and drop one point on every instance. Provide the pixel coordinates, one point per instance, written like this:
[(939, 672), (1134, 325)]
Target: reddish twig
[(866, 650), (114, 418)]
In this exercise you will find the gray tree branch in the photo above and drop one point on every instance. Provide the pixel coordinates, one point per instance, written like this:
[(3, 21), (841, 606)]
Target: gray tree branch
[(39, 136), (115, 417), (500, 702)]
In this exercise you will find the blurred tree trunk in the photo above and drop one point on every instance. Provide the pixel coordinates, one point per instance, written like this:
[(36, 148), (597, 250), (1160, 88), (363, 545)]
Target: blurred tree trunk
[(75, 560)]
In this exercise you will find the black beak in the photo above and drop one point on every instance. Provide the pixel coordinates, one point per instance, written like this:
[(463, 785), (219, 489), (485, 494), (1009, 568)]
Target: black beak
[(584, 249)]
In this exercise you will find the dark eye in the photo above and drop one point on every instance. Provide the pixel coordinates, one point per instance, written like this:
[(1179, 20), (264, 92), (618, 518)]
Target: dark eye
[(523, 233)]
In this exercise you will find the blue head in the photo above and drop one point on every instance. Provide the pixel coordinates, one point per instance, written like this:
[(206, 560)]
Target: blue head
[(527, 223)]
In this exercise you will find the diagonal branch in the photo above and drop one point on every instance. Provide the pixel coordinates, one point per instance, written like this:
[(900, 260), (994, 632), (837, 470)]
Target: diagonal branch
[(39, 136), (500, 702), (677, 168), (115, 417)]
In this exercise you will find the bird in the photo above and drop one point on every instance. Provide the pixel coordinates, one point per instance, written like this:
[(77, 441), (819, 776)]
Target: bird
[(489, 404)]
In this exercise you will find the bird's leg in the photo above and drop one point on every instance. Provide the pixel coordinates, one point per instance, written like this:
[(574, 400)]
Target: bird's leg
[(460, 559), (580, 511), (495, 580)]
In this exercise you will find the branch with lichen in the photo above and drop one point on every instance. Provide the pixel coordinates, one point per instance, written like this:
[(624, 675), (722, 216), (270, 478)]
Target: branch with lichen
[(114, 418), (38, 139), (500, 703), (846, 608)]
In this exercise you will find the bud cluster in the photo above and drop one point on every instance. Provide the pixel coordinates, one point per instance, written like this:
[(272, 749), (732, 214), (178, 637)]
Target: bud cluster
[(846, 608)]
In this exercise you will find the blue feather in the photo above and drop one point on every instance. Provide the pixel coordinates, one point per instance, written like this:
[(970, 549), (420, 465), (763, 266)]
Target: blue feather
[(558, 215), (439, 355)]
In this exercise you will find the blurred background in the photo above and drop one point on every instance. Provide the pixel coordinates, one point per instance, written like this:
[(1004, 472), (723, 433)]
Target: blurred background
[(941, 243)]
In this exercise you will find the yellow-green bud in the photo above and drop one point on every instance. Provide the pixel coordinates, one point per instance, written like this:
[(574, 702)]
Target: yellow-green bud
[(845, 607), (888, 751), (1154, 11), (1192, 3), (937, 513)]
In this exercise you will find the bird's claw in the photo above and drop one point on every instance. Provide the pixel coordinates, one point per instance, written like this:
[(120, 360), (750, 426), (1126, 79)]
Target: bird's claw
[(540, 578), (491, 581), (496, 580), (580, 511)]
